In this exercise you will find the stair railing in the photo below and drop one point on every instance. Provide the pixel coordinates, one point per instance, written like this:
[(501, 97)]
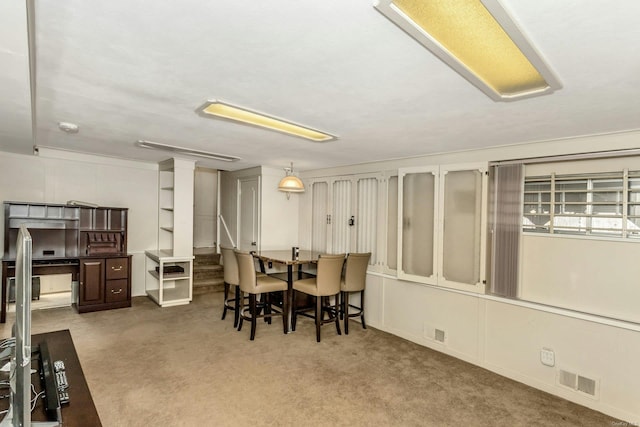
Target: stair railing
[(226, 229)]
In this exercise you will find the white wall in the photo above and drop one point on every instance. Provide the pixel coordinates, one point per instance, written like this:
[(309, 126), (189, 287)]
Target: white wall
[(506, 336), (204, 207), (278, 215), (101, 180)]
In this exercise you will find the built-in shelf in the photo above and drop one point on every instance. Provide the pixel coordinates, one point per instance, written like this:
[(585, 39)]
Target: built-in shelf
[(175, 235), (168, 289)]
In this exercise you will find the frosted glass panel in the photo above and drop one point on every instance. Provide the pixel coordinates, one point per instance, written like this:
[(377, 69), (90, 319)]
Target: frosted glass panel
[(320, 191), (367, 219), (461, 235), (417, 223), (392, 223), (341, 233)]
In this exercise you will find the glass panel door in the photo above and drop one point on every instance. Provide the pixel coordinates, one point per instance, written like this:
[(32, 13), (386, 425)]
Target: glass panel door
[(461, 226), (418, 216)]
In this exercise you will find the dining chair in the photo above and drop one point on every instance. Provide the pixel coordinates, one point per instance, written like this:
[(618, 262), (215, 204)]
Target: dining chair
[(231, 278), (354, 280), (322, 287), (255, 284)]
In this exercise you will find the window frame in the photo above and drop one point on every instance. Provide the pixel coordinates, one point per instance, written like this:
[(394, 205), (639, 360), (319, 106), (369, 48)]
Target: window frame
[(585, 227)]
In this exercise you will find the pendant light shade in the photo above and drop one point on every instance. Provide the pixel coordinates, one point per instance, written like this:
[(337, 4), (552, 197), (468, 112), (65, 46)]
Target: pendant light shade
[(291, 183)]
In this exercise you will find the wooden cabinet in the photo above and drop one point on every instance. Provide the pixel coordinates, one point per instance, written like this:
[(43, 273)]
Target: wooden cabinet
[(104, 283), (91, 285), (90, 242)]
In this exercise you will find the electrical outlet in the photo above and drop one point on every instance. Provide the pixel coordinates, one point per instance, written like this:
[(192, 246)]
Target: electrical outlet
[(547, 357)]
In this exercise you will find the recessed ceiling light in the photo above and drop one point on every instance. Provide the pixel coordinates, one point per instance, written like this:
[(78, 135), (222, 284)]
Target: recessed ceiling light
[(480, 41), (187, 151), (239, 114)]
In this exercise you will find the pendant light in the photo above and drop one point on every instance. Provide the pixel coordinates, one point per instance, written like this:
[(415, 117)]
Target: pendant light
[(290, 183)]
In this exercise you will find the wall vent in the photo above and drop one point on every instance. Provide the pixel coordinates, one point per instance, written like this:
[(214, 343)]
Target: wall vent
[(587, 385), (567, 379), (433, 333), (578, 383)]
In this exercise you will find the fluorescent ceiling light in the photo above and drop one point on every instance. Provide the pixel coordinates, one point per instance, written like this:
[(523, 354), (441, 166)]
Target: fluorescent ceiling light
[(227, 111), (479, 40), (187, 151)]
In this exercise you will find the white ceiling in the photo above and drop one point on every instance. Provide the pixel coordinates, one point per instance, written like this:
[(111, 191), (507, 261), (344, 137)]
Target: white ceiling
[(126, 70)]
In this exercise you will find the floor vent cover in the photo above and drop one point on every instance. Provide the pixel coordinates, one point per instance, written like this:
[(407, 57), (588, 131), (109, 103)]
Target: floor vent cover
[(439, 336)]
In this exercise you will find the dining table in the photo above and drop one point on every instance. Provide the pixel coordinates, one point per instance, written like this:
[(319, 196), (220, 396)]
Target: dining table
[(293, 260)]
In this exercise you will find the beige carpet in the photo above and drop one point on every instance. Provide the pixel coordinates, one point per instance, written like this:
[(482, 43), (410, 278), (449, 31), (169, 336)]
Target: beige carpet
[(183, 366)]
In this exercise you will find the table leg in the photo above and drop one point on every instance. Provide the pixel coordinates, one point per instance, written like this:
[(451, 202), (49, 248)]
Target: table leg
[(290, 307)]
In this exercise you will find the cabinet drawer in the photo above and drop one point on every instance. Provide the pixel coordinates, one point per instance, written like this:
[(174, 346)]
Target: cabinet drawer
[(116, 290), (117, 268)]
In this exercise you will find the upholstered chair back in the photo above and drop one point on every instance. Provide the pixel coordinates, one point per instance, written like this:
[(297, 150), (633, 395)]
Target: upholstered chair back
[(247, 272), (230, 264), (355, 271), (329, 274)]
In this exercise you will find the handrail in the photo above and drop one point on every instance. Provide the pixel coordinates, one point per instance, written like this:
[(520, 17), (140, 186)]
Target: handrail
[(227, 230)]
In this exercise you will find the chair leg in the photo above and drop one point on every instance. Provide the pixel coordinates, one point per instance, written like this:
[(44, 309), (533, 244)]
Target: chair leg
[(337, 311), (236, 304), (294, 313), (254, 314), (318, 317), (285, 309), (345, 307), (267, 307), (224, 300), (241, 296), (364, 325)]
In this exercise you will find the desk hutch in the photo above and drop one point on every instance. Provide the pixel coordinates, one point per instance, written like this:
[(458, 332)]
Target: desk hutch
[(88, 242)]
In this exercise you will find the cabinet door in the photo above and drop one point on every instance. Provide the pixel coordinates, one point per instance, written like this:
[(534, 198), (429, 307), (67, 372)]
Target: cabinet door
[(91, 281)]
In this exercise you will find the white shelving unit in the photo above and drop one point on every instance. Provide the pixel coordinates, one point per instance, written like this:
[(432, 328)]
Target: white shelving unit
[(175, 235), (168, 289)]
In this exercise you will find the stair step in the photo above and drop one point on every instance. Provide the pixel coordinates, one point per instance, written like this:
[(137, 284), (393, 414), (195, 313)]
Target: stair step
[(206, 259), (208, 273), (209, 285)]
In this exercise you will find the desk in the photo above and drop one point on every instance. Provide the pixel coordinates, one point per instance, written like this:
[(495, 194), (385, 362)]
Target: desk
[(284, 257), (104, 282), (80, 411), (60, 266)]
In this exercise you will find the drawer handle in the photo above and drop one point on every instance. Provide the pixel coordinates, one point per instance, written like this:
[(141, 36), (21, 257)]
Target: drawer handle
[(117, 268), (119, 291)]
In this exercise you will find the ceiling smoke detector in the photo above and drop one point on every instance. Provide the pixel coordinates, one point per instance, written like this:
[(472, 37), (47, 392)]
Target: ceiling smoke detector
[(68, 127)]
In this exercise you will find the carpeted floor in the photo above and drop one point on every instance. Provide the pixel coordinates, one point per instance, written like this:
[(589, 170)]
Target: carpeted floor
[(183, 366)]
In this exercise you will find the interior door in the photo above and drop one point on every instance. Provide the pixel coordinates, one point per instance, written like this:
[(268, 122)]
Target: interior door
[(248, 214)]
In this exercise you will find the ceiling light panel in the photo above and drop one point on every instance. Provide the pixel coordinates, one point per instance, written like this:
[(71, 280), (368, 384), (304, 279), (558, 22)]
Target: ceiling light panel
[(479, 40), (186, 151), (223, 110)]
